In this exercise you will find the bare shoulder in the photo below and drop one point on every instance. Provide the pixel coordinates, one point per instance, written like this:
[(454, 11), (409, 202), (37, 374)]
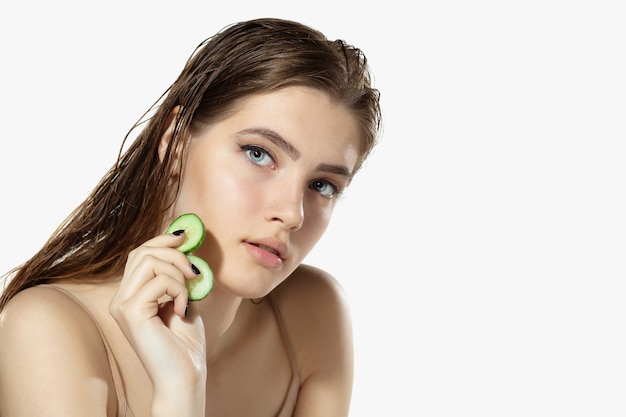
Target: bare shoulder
[(308, 283), (313, 297), (316, 314), (52, 343), (43, 311)]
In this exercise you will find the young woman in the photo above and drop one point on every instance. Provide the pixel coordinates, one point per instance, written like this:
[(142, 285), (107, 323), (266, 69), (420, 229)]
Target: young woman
[(264, 128)]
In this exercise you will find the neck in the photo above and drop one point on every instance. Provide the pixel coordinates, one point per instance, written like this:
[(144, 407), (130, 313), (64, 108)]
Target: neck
[(218, 313)]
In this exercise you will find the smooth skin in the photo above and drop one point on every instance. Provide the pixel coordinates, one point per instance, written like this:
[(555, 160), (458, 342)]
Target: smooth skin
[(264, 181)]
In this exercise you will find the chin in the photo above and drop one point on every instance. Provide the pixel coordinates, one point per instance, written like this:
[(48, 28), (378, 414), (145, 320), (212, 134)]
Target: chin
[(254, 289)]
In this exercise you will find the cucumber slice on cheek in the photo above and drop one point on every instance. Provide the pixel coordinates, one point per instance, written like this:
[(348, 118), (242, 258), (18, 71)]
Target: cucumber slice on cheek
[(194, 231), (202, 285)]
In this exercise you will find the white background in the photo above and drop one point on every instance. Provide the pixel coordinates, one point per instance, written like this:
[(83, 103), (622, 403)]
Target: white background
[(482, 248)]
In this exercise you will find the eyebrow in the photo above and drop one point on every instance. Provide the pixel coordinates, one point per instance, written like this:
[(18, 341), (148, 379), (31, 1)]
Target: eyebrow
[(293, 153), (335, 169), (276, 139)]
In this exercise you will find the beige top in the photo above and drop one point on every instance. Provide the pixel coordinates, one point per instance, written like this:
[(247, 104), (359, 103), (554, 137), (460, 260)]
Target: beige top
[(289, 404), (123, 410)]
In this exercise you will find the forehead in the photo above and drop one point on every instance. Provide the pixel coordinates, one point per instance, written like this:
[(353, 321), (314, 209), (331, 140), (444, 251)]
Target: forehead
[(307, 118)]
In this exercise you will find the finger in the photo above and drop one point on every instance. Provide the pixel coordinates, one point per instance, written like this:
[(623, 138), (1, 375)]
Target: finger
[(172, 256), (153, 264), (169, 240), (159, 287), (159, 242)]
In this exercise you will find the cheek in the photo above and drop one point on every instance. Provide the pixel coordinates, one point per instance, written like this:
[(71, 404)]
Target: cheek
[(215, 191), (316, 221)]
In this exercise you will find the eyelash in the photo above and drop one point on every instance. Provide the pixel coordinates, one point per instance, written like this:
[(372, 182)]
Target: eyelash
[(249, 149), (336, 192)]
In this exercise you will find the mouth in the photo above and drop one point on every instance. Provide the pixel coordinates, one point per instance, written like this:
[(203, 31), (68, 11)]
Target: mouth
[(267, 248), (271, 249)]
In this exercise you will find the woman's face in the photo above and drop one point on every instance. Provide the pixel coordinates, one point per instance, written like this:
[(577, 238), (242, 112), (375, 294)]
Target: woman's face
[(265, 182)]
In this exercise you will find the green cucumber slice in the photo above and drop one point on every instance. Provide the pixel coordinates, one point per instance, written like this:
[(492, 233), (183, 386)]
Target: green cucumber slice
[(202, 285), (194, 231)]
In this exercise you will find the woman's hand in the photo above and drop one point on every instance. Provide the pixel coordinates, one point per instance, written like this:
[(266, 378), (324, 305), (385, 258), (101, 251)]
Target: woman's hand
[(150, 307)]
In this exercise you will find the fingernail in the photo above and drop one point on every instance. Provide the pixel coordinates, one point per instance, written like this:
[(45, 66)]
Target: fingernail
[(178, 232), (186, 310), (195, 269)]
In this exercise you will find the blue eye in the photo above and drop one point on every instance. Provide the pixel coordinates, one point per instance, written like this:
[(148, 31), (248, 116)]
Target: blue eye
[(258, 155), (325, 188)]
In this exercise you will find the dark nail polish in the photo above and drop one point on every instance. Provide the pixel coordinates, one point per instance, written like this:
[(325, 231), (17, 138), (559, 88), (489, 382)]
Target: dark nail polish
[(195, 269), (178, 232), (187, 310)]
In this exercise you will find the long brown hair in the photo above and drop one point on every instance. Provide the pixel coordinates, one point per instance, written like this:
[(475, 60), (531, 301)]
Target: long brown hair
[(128, 206)]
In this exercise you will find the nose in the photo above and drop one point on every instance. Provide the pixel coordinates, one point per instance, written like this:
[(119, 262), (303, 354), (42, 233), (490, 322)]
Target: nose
[(286, 206)]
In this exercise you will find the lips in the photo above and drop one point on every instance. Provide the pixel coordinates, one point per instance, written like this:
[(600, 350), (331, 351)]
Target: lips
[(267, 248), (274, 246)]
